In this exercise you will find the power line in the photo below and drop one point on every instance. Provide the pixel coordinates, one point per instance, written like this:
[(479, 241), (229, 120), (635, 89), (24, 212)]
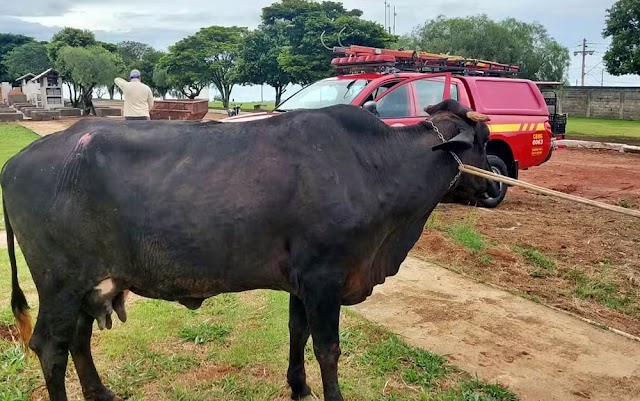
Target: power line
[(584, 53)]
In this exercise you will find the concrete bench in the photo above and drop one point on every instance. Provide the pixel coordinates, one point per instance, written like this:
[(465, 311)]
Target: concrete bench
[(108, 112), (20, 106), (27, 111), (45, 115), (6, 117), (69, 112)]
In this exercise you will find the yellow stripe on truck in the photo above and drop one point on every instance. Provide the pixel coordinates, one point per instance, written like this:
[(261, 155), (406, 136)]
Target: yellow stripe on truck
[(498, 128), (525, 127)]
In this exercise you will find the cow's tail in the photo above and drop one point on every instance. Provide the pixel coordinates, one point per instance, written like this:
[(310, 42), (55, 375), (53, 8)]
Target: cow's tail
[(19, 303)]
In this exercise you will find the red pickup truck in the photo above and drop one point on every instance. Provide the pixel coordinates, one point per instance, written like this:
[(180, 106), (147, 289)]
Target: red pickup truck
[(521, 134)]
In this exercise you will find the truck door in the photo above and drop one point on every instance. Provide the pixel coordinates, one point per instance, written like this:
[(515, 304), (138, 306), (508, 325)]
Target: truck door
[(404, 103)]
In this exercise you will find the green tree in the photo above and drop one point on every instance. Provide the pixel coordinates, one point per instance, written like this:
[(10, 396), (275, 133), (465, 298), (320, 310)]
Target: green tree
[(207, 57), (133, 52), (148, 65), (622, 25), (303, 56), (509, 41), (8, 42), (258, 59), (69, 37), (30, 57), (161, 82), (90, 67)]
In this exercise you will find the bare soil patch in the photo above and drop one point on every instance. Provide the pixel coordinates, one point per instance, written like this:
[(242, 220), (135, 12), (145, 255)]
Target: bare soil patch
[(590, 257), (8, 332)]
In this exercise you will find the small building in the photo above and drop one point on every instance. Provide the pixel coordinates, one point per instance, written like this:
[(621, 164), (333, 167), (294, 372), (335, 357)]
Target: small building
[(28, 88), (50, 94)]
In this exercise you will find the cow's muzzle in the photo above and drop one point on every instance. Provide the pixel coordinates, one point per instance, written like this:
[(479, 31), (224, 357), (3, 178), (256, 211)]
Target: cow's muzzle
[(493, 189)]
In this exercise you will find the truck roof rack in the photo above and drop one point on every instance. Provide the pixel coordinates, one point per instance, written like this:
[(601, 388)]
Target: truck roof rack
[(366, 59)]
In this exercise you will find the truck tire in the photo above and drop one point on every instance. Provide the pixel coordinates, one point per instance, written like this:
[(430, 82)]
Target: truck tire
[(498, 167)]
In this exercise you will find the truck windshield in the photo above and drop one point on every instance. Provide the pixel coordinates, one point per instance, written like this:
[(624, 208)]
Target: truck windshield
[(325, 93)]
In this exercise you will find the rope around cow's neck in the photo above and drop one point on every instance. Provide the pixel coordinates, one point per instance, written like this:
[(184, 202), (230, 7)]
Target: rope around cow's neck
[(455, 156)]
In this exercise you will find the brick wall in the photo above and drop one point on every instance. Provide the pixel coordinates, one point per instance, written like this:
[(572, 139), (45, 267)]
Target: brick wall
[(598, 101)]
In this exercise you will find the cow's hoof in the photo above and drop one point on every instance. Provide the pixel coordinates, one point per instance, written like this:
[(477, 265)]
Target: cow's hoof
[(299, 395)]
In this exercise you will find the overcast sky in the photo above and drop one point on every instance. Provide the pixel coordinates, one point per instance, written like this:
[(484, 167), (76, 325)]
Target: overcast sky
[(163, 22)]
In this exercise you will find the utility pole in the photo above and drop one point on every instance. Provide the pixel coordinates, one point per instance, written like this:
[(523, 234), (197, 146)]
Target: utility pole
[(602, 79), (385, 15), (584, 53), (394, 19), (389, 13)]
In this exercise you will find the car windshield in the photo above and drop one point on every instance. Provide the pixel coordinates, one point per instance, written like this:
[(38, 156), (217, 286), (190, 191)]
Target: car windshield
[(325, 93)]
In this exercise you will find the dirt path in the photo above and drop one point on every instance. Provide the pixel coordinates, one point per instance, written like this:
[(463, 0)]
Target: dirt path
[(43, 128), (541, 354)]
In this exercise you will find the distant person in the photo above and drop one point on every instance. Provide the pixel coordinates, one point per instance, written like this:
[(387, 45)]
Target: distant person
[(138, 97)]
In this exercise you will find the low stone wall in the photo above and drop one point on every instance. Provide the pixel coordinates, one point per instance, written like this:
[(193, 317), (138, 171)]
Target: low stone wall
[(45, 115), (28, 110), (7, 117), (69, 112), (108, 112), (600, 101)]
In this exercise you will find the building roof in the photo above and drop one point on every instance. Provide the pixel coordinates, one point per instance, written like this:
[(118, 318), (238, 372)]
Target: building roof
[(44, 73), (25, 76)]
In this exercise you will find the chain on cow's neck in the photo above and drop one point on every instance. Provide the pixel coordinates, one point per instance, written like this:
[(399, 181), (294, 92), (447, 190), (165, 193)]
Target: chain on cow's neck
[(455, 156)]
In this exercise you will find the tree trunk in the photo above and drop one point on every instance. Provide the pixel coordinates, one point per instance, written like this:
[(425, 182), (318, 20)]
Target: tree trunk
[(76, 95), (87, 95), (280, 90), (226, 95), (112, 91), (70, 93)]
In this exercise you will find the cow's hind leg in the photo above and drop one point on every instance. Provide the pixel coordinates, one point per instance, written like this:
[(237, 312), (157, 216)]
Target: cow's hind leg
[(92, 386), (322, 300), (52, 337), (299, 335)]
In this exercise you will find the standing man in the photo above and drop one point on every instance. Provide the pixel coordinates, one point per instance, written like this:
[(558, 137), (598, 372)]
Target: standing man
[(138, 97)]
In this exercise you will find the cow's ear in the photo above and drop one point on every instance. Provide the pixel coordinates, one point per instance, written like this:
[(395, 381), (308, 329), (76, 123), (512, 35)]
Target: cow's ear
[(464, 140)]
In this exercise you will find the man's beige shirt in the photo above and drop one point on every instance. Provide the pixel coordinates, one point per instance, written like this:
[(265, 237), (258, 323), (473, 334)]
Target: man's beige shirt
[(138, 97)]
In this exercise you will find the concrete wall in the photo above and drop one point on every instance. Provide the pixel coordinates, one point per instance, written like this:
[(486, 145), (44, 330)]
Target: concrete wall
[(31, 89), (599, 101), (6, 88)]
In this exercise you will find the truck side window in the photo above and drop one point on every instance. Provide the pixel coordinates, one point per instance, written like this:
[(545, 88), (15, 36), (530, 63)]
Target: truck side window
[(380, 90), (395, 104), (430, 92)]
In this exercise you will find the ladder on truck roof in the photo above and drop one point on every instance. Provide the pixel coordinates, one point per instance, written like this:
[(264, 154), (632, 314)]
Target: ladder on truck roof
[(363, 58)]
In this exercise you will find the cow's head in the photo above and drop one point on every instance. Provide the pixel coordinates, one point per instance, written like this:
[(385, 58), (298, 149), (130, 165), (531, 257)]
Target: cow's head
[(466, 135)]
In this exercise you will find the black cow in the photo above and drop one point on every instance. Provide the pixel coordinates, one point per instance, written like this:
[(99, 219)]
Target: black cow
[(323, 204)]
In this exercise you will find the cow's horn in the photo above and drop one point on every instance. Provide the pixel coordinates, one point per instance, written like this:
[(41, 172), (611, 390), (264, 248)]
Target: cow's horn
[(477, 117)]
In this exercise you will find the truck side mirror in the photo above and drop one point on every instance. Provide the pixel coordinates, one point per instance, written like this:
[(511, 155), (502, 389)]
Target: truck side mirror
[(372, 107)]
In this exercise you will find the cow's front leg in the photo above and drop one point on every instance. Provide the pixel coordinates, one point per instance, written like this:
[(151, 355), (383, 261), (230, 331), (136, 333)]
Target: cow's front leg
[(323, 300), (299, 335)]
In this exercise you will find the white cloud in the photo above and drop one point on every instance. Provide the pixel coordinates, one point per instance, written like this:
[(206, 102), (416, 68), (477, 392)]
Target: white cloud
[(163, 22)]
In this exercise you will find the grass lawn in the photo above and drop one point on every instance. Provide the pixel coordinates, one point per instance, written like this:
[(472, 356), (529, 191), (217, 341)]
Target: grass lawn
[(246, 106), (13, 138), (603, 129), (234, 348)]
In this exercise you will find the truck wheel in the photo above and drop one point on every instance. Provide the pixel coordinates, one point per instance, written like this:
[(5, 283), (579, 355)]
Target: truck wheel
[(498, 167)]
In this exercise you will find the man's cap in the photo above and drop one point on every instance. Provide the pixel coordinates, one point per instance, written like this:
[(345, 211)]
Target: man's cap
[(134, 74)]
